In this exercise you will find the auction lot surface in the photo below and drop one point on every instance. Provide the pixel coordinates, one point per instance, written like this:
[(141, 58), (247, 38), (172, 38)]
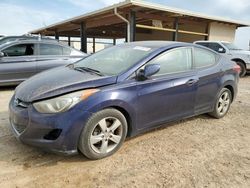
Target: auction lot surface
[(197, 152)]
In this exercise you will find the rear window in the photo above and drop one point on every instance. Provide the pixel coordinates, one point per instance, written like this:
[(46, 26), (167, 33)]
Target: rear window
[(213, 46)]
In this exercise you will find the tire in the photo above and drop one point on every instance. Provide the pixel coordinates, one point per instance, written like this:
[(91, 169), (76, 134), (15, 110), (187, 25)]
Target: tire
[(243, 70), (103, 134), (222, 104)]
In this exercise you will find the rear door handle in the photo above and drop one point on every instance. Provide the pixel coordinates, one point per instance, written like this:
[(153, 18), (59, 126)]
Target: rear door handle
[(191, 82)]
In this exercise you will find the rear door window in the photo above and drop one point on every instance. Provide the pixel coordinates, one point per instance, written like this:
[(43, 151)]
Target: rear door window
[(20, 50), (204, 58), (66, 51), (51, 49)]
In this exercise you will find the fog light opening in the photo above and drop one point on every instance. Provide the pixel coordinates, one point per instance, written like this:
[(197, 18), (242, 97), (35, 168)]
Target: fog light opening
[(53, 135)]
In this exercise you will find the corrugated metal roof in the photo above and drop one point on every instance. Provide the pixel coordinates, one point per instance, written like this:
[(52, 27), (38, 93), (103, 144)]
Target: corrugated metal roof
[(149, 6)]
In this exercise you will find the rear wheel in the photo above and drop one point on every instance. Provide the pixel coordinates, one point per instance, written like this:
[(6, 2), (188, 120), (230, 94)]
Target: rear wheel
[(222, 103), (243, 70), (103, 134)]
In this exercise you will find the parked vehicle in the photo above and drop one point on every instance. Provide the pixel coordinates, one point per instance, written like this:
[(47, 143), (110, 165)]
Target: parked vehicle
[(6, 39), (94, 104), (241, 57), (22, 59)]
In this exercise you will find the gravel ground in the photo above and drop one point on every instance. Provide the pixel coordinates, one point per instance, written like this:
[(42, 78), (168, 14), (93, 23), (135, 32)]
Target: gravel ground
[(197, 152)]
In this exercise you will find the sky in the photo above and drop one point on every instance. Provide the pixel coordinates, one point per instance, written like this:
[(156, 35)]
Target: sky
[(20, 17)]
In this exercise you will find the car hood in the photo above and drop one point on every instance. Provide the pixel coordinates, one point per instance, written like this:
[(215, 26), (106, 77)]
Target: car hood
[(241, 52), (59, 81)]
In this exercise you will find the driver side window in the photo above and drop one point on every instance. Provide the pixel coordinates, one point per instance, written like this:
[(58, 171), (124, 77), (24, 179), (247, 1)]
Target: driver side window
[(20, 50), (174, 61)]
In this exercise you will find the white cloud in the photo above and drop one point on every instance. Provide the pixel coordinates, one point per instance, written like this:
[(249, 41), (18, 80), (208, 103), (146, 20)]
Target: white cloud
[(17, 20), (87, 4), (109, 2), (238, 6)]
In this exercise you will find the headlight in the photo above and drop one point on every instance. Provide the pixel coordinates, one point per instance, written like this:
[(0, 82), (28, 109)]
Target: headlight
[(63, 103)]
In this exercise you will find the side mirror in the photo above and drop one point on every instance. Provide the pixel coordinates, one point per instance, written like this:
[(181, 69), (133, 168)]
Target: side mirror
[(149, 71), (1, 54)]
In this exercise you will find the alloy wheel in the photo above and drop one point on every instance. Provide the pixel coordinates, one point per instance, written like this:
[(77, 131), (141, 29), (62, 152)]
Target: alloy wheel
[(106, 135), (223, 103)]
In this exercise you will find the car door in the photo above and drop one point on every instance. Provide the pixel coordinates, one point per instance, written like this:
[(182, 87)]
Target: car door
[(209, 73), (170, 94), (19, 62), (50, 56)]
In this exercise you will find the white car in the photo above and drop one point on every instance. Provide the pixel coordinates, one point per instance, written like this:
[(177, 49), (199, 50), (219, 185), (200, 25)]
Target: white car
[(241, 57)]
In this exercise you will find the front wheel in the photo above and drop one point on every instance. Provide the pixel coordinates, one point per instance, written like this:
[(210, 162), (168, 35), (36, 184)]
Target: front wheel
[(103, 134), (222, 104)]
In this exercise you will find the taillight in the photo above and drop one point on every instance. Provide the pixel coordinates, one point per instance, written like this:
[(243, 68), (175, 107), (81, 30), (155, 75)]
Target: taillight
[(237, 68)]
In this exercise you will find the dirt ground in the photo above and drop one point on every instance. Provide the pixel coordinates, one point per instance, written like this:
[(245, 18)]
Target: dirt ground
[(197, 152)]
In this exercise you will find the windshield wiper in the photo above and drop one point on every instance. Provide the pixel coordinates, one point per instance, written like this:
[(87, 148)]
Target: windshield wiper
[(86, 69)]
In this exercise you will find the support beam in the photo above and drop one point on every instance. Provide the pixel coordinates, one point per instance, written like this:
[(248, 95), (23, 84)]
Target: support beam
[(83, 37), (126, 35), (176, 27), (207, 31), (114, 41), (132, 20), (56, 35), (69, 41), (170, 30), (93, 44)]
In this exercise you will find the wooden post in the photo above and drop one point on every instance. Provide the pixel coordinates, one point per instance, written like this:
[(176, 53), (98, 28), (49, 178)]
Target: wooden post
[(176, 27), (132, 20), (83, 36), (93, 44), (56, 35), (69, 41)]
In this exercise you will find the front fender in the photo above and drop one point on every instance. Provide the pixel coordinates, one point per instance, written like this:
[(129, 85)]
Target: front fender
[(123, 100)]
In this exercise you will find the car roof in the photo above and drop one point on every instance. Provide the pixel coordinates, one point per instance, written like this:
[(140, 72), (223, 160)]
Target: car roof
[(157, 44), (208, 41)]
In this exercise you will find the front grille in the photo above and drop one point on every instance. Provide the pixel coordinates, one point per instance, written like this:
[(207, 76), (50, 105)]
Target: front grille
[(19, 128)]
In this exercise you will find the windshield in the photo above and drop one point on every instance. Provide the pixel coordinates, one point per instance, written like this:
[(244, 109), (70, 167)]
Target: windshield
[(231, 46), (114, 60)]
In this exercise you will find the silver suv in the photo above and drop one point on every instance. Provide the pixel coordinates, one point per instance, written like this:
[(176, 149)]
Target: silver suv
[(241, 57), (22, 59)]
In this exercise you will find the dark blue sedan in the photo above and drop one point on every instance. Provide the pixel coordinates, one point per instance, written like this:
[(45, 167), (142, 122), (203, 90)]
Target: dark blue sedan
[(93, 105)]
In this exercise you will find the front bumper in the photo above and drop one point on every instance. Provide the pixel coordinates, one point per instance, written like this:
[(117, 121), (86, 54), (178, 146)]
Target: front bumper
[(57, 133), (248, 66)]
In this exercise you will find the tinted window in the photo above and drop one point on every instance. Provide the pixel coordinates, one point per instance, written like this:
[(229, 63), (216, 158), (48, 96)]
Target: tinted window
[(20, 50), (203, 44), (50, 49), (66, 51), (174, 61), (217, 47), (203, 58), (213, 46)]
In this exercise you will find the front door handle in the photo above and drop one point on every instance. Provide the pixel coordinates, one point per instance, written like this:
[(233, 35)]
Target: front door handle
[(191, 82)]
